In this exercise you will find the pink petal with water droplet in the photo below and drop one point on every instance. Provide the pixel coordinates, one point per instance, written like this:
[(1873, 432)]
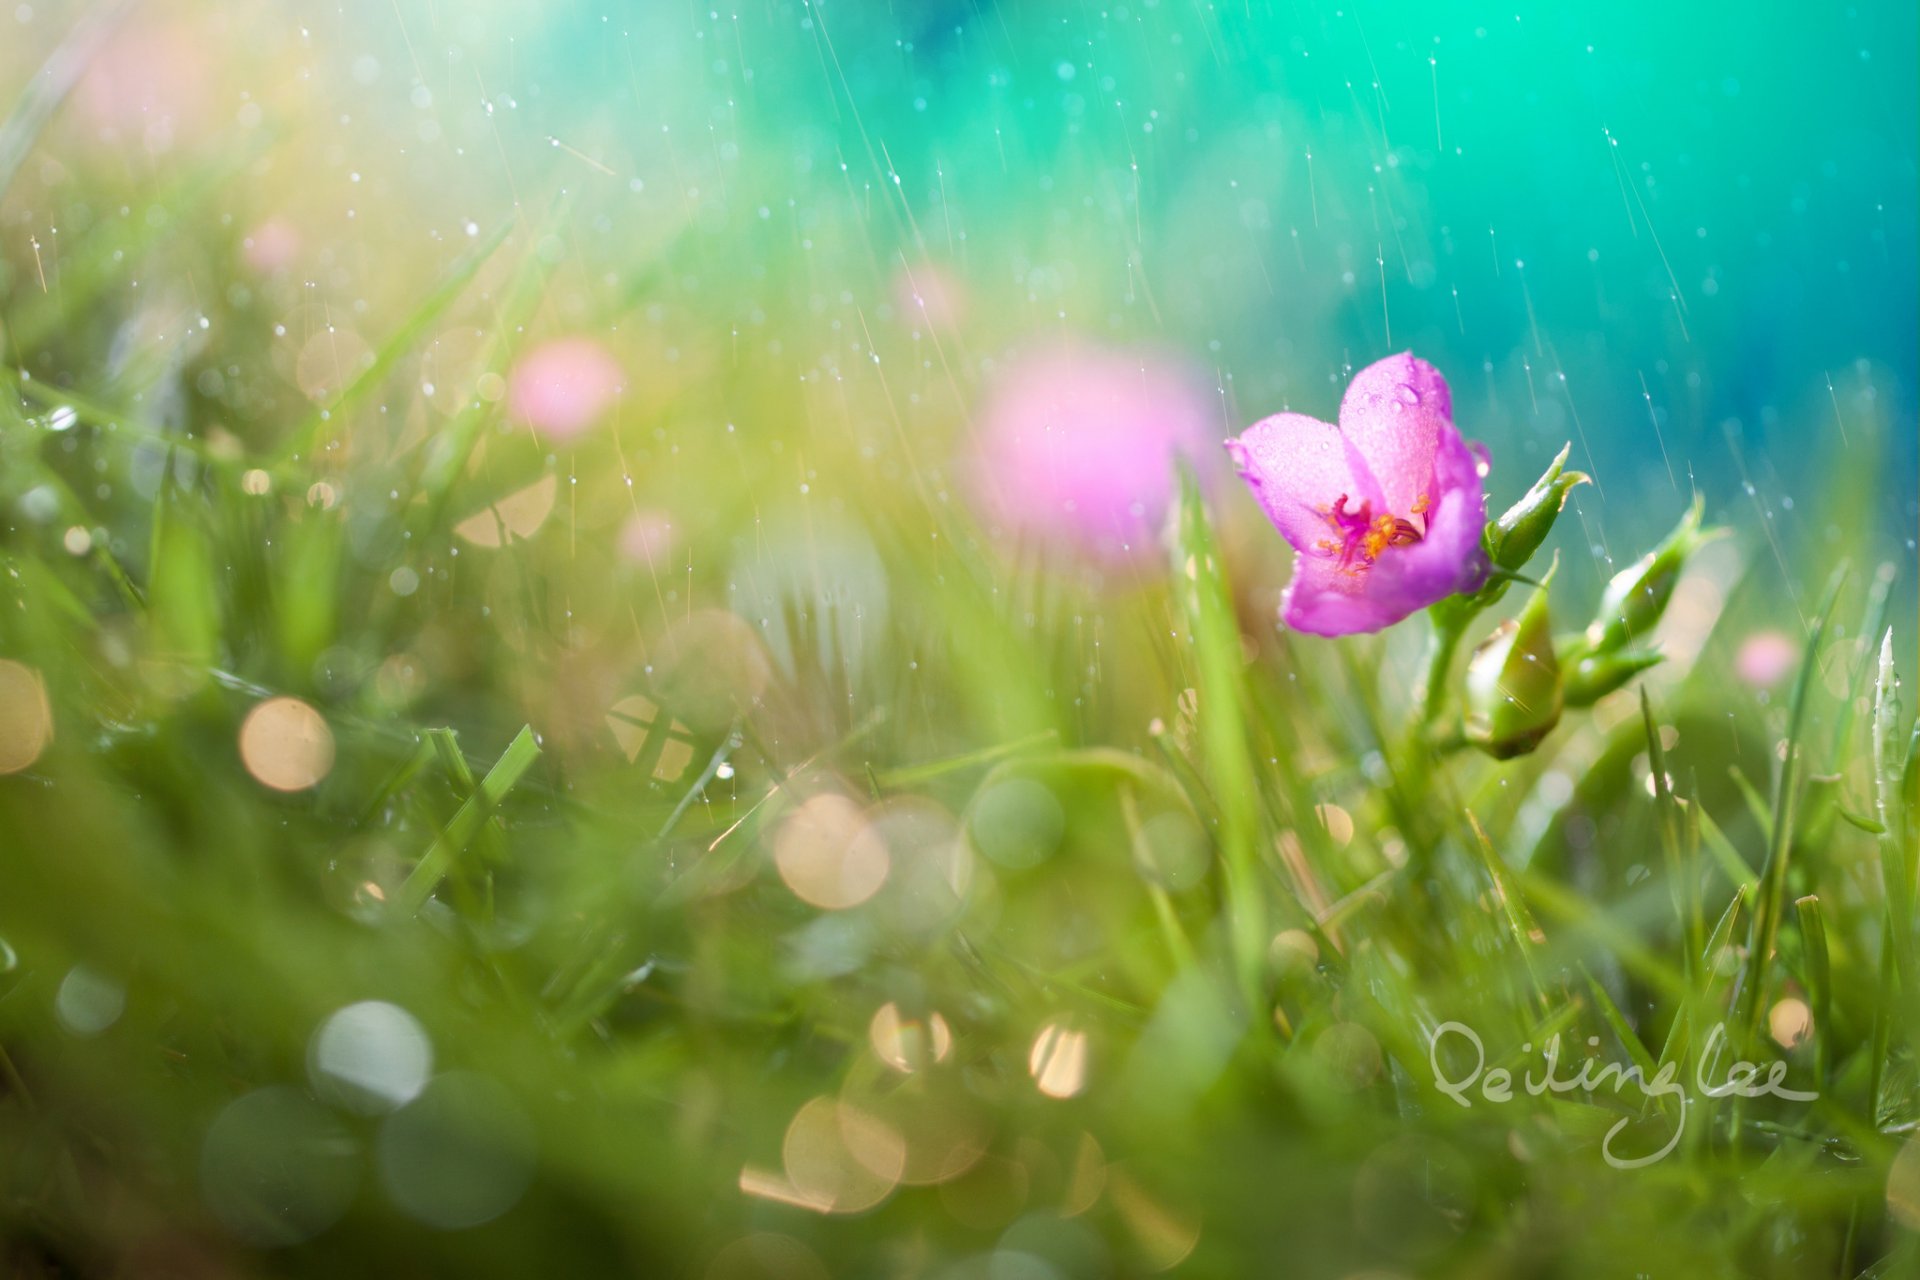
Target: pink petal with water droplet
[(1299, 468), (1396, 457), (1394, 412)]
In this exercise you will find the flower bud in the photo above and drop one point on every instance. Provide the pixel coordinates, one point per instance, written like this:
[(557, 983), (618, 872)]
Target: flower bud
[(1637, 595), (1516, 535), (1592, 676), (1513, 684)]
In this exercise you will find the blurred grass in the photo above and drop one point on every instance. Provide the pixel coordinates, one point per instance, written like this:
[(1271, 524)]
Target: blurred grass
[(1174, 903)]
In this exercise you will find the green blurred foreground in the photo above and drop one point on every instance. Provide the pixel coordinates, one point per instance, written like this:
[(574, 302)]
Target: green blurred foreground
[(940, 916)]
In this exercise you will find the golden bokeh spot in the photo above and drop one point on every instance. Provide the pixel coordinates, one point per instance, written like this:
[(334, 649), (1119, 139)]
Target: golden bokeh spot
[(77, 541), (514, 518), (1058, 1061), (322, 495), (286, 744), (829, 854), (908, 1044), (1790, 1022), (1337, 821), (766, 1184), (256, 482), (943, 1127), (26, 717), (842, 1157)]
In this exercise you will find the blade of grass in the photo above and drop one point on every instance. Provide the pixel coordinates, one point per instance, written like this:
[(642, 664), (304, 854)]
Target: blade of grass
[(1524, 930), (1215, 635), (1734, 867), (1679, 880), (1616, 1020), (1755, 802), (302, 440), (1179, 946), (1816, 969), (919, 774), (100, 261), (460, 830), (1569, 907), (1769, 904), (444, 461)]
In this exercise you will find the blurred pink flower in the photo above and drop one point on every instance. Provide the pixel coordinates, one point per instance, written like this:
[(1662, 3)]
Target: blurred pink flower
[(271, 246), (1077, 446), (1385, 510), (562, 387), (1766, 658), (647, 537)]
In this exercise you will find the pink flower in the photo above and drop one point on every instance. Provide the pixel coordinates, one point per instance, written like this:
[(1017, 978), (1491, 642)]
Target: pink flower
[(1385, 510), (1077, 446), (561, 388), (1766, 658)]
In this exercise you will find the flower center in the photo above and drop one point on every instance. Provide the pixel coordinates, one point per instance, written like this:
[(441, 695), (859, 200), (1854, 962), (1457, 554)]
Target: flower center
[(1363, 536)]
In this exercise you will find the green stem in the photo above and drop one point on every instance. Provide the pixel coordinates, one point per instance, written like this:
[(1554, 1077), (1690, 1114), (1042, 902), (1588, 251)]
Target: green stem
[(1442, 644)]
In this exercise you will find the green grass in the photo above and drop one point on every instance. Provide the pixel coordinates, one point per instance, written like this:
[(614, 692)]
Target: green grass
[(619, 955)]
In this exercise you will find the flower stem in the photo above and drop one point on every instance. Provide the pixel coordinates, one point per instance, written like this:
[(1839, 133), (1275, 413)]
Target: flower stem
[(1442, 644)]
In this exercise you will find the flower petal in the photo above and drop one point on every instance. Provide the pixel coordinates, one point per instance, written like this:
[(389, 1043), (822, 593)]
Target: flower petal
[(1393, 413), (1384, 381), (1449, 558), (1298, 468), (1323, 600)]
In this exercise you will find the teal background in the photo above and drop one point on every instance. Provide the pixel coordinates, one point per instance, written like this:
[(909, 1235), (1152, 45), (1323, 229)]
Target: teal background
[(1714, 206)]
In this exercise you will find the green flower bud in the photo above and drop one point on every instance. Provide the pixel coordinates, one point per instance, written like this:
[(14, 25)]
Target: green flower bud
[(1592, 676), (1514, 537), (1637, 595), (1513, 684)]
